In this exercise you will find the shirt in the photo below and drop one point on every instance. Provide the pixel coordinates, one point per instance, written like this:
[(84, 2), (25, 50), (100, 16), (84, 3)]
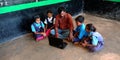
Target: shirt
[(38, 25), (81, 30), (96, 37), (64, 22), (50, 20)]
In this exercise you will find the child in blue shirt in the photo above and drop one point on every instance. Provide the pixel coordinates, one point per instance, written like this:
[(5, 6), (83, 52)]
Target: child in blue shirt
[(80, 30), (38, 28), (49, 22), (92, 40)]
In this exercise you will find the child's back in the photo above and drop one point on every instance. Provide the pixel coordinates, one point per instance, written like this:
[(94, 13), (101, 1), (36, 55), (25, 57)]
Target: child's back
[(81, 30), (98, 35)]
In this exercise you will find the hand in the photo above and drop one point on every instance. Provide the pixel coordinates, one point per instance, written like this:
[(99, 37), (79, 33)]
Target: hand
[(56, 35), (43, 34), (85, 42), (76, 34), (71, 37), (84, 45)]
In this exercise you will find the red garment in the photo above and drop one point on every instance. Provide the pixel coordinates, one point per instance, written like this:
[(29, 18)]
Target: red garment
[(64, 22)]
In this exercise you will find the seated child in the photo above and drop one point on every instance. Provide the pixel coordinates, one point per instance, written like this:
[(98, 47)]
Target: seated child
[(80, 30), (38, 29), (93, 40), (49, 22)]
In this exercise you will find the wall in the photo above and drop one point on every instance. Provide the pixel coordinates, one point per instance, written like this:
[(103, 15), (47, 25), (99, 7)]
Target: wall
[(104, 8), (14, 24)]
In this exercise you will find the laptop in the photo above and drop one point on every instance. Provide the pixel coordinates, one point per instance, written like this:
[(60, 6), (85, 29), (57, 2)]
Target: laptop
[(56, 42)]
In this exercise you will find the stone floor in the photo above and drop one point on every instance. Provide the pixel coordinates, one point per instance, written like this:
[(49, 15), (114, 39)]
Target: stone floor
[(25, 48)]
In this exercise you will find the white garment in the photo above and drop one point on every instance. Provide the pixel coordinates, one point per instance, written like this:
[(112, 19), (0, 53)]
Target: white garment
[(50, 20)]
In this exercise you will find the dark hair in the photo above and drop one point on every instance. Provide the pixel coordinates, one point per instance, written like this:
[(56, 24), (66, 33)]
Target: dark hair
[(49, 11), (90, 27), (60, 9), (80, 19), (37, 16)]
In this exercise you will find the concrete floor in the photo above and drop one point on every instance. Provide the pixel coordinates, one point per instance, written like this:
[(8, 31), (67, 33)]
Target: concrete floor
[(25, 48)]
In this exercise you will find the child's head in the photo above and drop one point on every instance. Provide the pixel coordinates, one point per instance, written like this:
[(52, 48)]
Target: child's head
[(79, 20), (49, 13), (90, 28), (37, 19), (61, 11)]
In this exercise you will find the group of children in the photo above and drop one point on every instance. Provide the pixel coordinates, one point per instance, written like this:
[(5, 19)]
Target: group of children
[(41, 30), (83, 35), (87, 36)]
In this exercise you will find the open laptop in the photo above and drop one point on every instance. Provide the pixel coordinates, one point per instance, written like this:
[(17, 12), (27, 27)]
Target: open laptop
[(56, 42)]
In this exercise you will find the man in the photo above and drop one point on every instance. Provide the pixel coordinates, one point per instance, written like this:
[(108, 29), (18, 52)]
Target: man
[(63, 25)]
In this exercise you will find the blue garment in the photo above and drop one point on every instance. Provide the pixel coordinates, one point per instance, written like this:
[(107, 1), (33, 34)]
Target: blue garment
[(35, 27), (97, 38), (81, 31), (76, 39), (61, 33), (97, 41), (94, 40), (86, 34)]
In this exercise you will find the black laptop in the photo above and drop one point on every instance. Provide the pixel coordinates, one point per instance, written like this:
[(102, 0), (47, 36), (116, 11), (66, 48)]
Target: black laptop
[(56, 42)]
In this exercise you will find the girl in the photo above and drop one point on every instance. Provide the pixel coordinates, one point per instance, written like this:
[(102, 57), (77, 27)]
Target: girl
[(93, 40), (38, 28), (49, 22)]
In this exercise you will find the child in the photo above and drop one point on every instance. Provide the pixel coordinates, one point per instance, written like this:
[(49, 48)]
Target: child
[(80, 30), (49, 21), (38, 28), (93, 40)]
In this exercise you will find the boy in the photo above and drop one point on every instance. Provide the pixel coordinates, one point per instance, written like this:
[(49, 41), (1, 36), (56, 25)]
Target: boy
[(80, 30), (38, 28)]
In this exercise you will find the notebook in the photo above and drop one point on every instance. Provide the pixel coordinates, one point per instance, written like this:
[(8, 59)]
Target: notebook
[(56, 42)]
